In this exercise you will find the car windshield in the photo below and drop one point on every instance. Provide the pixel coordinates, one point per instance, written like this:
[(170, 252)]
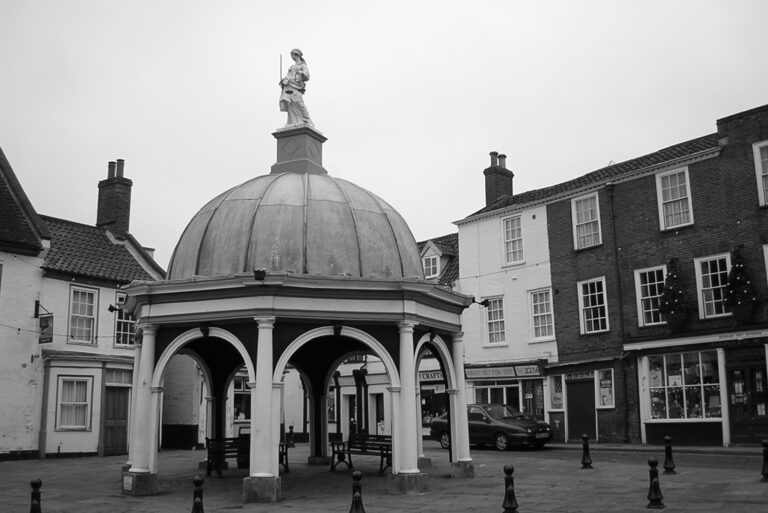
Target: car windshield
[(502, 411)]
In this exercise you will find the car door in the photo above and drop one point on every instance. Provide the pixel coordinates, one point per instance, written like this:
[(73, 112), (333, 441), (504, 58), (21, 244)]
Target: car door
[(479, 430)]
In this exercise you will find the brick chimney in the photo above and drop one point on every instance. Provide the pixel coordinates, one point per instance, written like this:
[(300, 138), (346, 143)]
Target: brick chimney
[(114, 208), (498, 179)]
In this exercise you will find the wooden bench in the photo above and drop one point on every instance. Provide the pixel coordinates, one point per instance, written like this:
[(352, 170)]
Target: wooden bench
[(221, 449), (363, 444)]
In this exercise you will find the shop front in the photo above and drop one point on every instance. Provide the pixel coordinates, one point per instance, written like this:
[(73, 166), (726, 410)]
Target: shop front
[(520, 385), (704, 390)]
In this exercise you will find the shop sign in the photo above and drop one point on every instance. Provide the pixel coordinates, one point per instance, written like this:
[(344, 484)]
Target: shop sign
[(527, 370), (510, 371), (46, 328), (439, 389), (433, 375)]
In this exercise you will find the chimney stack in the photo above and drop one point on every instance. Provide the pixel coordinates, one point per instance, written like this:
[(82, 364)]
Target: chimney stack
[(114, 205), (498, 179)]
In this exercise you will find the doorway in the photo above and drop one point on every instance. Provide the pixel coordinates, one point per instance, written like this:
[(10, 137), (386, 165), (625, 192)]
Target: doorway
[(116, 420), (748, 401), (581, 408)]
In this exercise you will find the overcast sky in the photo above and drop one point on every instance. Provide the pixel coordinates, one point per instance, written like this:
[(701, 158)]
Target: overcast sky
[(412, 95)]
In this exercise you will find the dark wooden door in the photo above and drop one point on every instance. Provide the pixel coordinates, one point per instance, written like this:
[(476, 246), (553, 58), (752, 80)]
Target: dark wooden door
[(581, 409), (116, 420), (748, 403)]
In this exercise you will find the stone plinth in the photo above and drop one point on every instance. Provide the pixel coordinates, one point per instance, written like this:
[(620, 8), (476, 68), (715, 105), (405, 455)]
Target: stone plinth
[(462, 469), (261, 489), (299, 150), (139, 483), (407, 484), (424, 463)]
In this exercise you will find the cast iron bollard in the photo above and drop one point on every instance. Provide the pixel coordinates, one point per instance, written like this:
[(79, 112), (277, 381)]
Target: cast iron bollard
[(197, 495), (357, 493), (35, 503), (289, 440), (586, 459), (669, 463), (510, 501), (765, 462), (654, 490)]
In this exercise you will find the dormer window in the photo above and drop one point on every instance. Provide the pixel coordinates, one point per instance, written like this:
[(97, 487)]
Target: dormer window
[(431, 266)]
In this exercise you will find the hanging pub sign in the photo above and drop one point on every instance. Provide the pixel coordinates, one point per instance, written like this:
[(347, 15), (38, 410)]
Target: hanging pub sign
[(46, 328)]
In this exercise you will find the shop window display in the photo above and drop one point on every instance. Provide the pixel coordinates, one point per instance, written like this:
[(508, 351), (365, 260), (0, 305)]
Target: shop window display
[(684, 385)]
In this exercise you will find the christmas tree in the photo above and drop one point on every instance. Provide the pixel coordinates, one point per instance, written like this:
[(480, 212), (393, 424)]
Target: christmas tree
[(673, 303), (741, 295)]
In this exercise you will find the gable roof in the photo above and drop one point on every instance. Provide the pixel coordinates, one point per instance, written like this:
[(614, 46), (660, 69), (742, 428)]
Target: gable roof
[(449, 247), (88, 251), (612, 172), (21, 229)]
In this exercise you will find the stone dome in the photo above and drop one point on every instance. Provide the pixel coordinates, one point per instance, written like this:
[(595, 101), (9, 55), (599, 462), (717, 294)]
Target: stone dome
[(298, 222)]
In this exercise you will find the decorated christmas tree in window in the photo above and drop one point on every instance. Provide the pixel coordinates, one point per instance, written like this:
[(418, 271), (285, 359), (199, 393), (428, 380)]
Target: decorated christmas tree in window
[(740, 295), (673, 303)]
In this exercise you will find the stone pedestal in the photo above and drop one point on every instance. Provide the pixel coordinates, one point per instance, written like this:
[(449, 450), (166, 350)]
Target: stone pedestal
[(299, 150), (462, 469), (135, 483), (425, 463), (319, 460), (407, 484), (261, 489)]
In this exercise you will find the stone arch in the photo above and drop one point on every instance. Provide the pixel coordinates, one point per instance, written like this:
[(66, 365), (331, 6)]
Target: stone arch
[(194, 334), (445, 356)]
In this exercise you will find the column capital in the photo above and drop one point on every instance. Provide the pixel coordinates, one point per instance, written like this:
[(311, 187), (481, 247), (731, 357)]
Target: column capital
[(406, 326), (458, 336), (147, 328), (265, 322)]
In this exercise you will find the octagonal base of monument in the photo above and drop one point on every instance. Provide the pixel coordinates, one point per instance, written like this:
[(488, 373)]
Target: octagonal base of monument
[(261, 489), (463, 469), (407, 484), (424, 463), (140, 483)]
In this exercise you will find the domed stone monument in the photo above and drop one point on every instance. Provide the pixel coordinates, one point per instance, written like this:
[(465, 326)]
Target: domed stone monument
[(295, 267)]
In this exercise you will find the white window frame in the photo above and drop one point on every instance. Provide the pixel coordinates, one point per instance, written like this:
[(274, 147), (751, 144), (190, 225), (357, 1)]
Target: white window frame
[(583, 308), (765, 257), (559, 378), (498, 322), (549, 313), (436, 260), (761, 172), (596, 219), (598, 389), (513, 239), (640, 298), (88, 403), (123, 319), (700, 284), (72, 315), (660, 198), (662, 384)]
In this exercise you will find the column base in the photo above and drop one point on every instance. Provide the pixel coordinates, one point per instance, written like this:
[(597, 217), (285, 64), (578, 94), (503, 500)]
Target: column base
[(261, 489), (462, 469), (407, 484), (424, 463), (140, 483), (319, 460)]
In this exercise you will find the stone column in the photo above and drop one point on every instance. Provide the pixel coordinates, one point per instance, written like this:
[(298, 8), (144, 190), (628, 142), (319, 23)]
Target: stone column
[(407, 479), (724, 398), (424, 462), (132, 433), (157, 408), (138, 480), (262, 485), (462, 466)]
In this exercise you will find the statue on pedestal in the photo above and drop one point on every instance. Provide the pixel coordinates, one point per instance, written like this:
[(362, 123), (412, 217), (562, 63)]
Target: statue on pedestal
[(292, 96)]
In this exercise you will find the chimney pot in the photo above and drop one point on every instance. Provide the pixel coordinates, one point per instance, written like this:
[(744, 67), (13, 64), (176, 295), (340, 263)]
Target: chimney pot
[(503, 161), (111, 169), (120, 164), (494, 162)]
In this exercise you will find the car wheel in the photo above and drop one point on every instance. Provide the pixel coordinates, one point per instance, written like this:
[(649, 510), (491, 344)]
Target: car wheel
[(538, 445), (501, 442), (445, 440)]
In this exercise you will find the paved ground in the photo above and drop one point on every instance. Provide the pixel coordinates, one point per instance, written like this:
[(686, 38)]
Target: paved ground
[(546, 481)]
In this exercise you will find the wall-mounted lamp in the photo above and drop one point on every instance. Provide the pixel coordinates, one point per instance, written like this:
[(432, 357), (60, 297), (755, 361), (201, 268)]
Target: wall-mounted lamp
[(259, 274), (113, 308), (484, 303)]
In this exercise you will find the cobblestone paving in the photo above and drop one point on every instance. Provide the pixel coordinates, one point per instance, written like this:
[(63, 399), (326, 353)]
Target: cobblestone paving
[(547, 481)]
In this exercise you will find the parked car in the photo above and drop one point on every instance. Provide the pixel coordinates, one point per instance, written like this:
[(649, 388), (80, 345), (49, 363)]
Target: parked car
[(495, 424)]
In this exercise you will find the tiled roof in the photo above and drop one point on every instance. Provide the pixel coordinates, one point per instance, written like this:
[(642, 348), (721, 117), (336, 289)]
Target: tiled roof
[(611, 172), (449, 246), (85, 250), (21, 229)]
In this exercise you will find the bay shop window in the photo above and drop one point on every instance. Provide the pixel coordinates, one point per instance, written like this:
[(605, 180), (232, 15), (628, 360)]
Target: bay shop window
[(684, 386)]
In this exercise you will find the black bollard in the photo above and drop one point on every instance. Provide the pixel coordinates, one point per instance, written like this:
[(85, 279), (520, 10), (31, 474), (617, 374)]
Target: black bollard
[(35, 502), (586, 459), (290, 440), (765, 462), (197, 495), (654, 490), (669, 463), (510, 501), (357, 493)]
